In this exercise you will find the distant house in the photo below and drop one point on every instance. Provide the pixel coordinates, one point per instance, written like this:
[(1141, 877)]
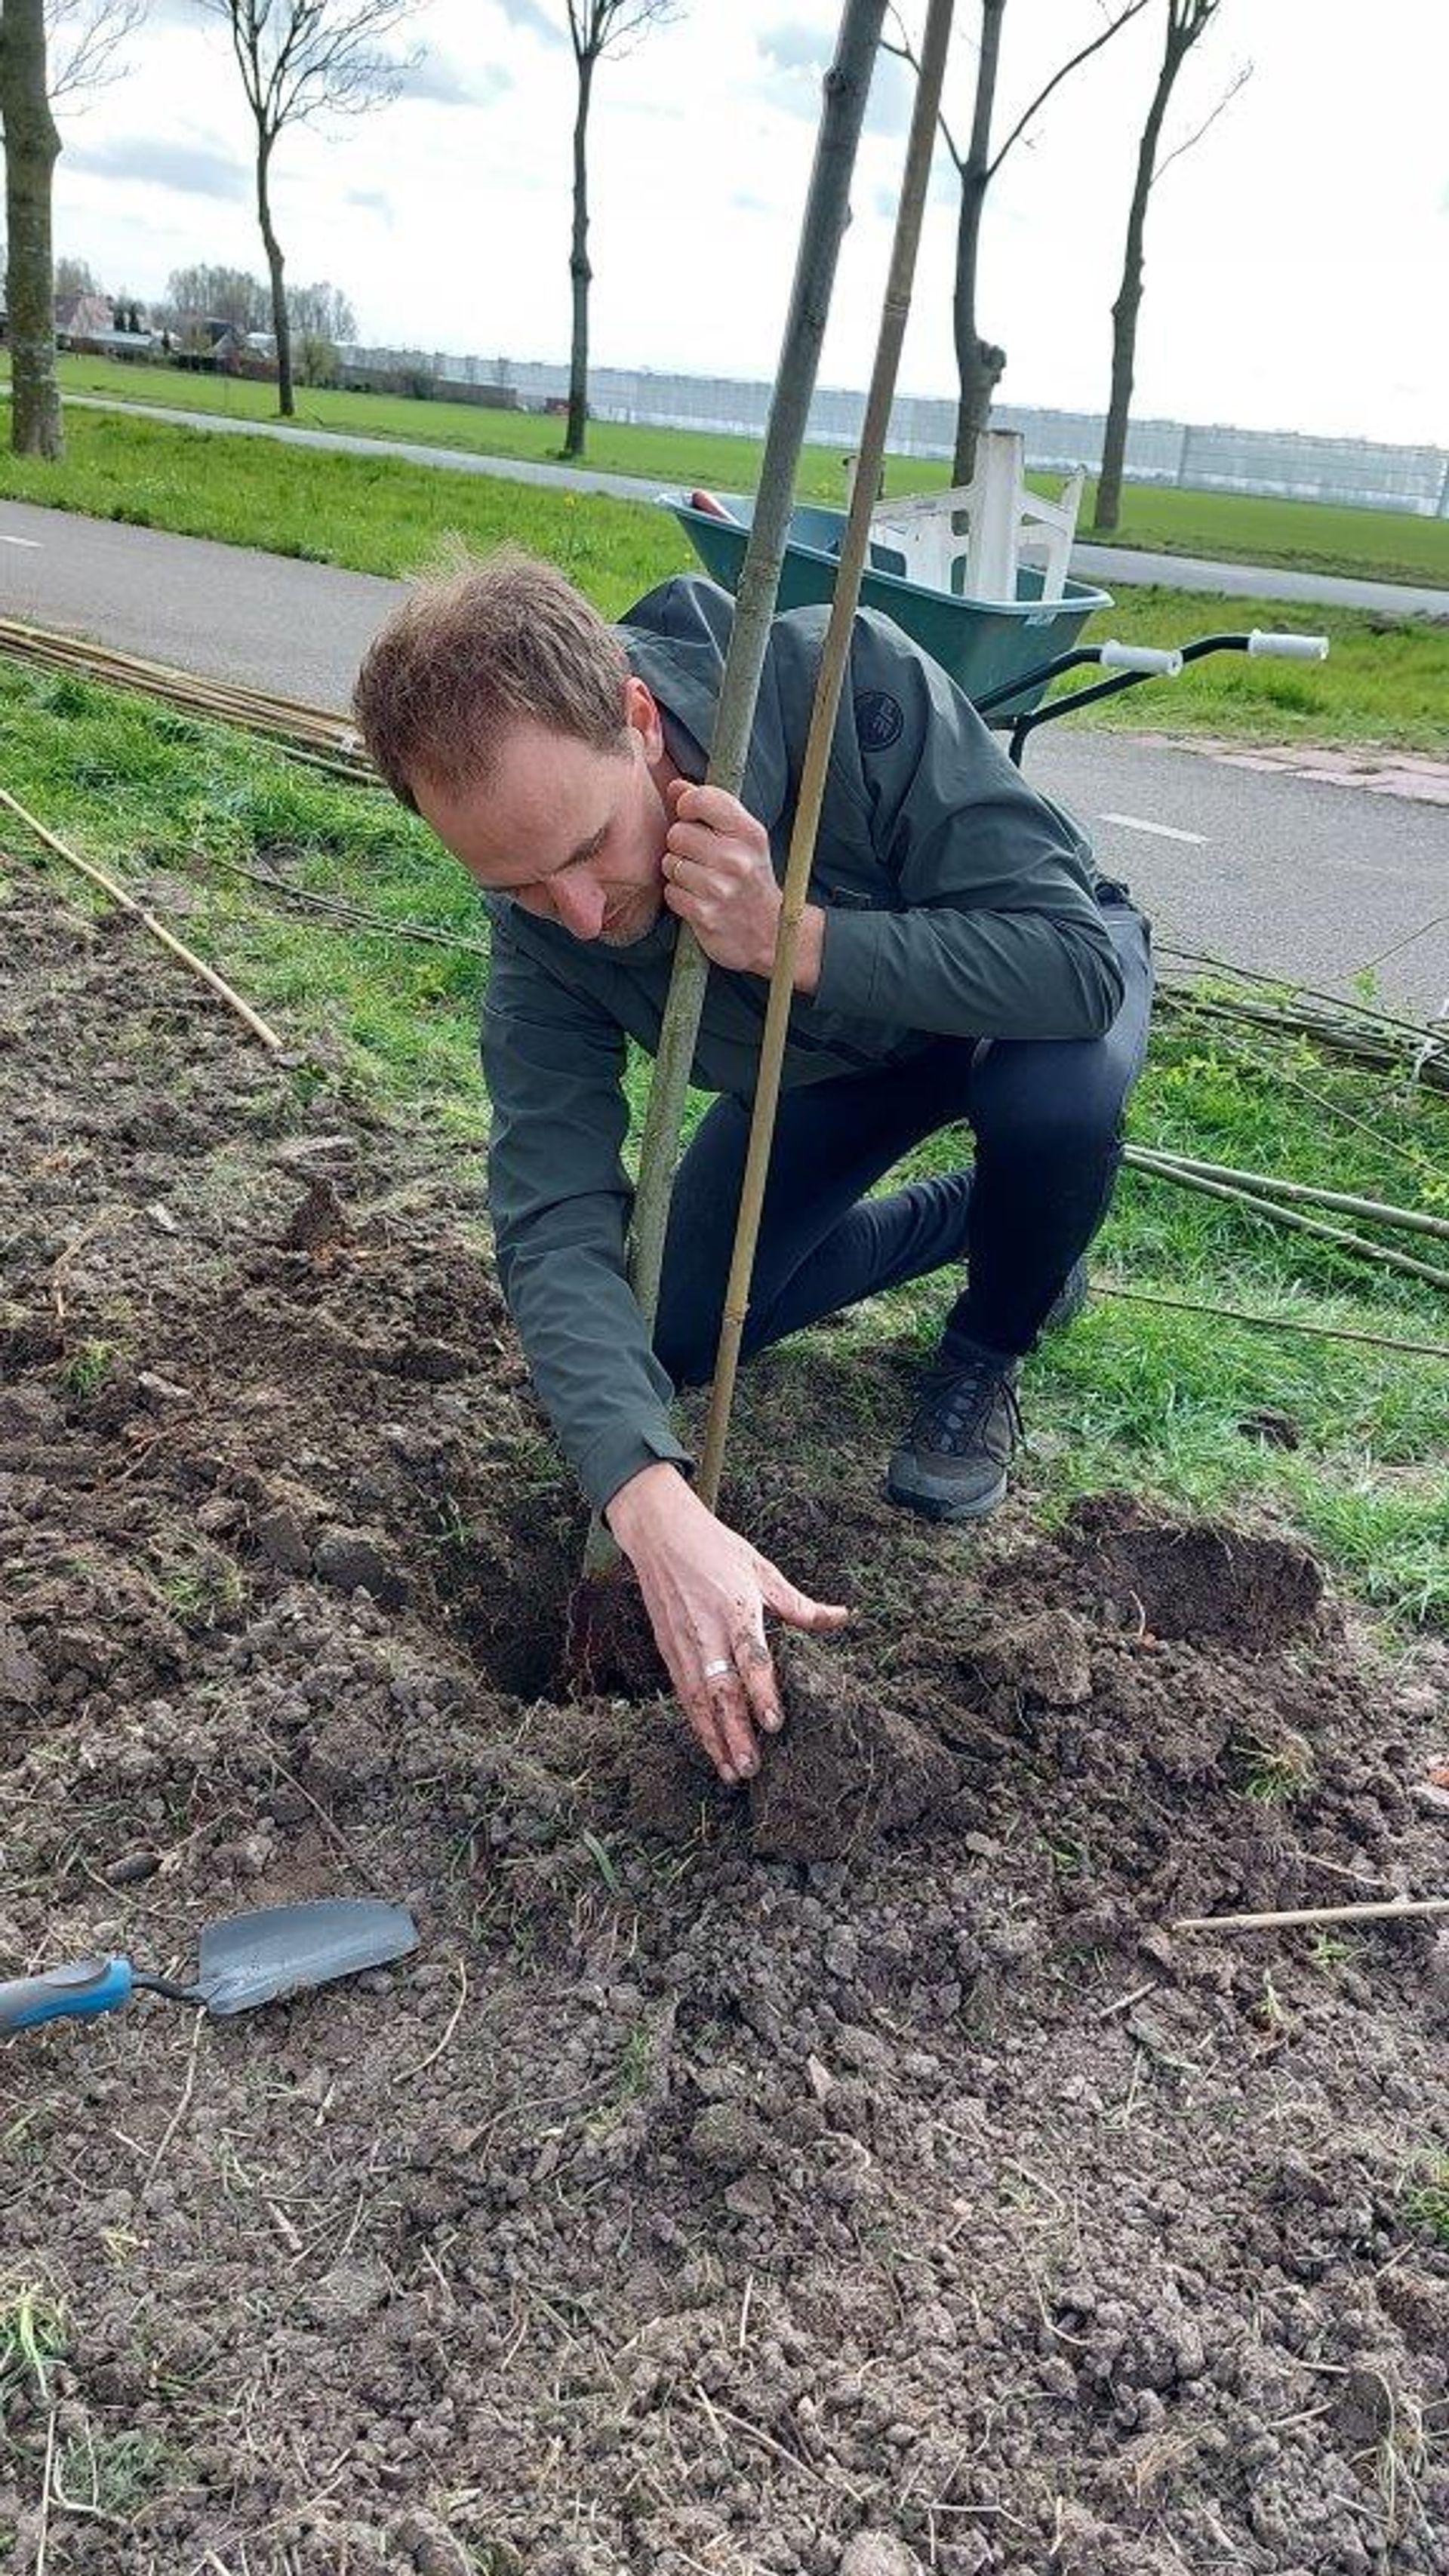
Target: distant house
[(233, 352), (79, 317), (92, 325)]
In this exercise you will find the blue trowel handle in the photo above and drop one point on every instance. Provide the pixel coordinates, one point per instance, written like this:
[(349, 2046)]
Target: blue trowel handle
[(87, 1987)]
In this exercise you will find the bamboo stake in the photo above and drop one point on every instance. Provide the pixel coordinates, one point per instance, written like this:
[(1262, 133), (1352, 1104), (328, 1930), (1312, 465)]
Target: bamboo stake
[(1271, 1184), (827, 212), (1260, 1062), (1427, 1064), (1380, 1252), (1394, 1911), (309, 732), (43, 642), (1269, 1323), (347, 916), (833, 662), (187, 956), (1338, 1003)]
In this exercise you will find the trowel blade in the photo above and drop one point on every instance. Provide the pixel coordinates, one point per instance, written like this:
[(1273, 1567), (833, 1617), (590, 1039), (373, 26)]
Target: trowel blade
[(254, 1958)]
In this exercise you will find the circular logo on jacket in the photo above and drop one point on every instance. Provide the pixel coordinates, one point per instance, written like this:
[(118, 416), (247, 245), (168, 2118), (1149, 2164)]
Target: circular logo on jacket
[(878, 720)]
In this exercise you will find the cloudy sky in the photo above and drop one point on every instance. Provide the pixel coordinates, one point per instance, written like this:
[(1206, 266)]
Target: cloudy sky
[(1297, 255)]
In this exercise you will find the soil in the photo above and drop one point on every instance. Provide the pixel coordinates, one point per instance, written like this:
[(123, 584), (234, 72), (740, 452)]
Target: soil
[(857, 2173)]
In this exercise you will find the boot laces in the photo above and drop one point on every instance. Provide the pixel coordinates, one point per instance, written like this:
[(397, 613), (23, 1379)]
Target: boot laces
[(958, 1401)]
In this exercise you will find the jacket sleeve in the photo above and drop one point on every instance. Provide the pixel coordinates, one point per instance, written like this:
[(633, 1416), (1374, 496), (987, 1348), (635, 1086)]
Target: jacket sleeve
[(998, 933), (560, 1202)]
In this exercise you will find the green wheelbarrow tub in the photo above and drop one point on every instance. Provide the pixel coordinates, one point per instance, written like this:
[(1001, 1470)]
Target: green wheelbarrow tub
[(982, 643)]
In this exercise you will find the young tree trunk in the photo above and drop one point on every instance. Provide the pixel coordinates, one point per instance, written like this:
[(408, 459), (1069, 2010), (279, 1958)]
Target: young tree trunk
[(979, 363), (1182, 26), (32, 146), (281, 325), (827, 213), (580, 272)]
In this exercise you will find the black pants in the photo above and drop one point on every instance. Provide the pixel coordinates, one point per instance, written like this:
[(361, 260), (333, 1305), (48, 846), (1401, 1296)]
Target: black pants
[(1046, 1115)]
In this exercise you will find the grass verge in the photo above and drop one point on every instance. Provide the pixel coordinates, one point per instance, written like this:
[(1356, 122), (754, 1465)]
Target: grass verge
[(1383, 545), (1386, 681), (1167, 1403)]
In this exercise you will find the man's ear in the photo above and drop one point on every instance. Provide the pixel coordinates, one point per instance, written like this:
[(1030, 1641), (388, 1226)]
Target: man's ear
[(641, 710)]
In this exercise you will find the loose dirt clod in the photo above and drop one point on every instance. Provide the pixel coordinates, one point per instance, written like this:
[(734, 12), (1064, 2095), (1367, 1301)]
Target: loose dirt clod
[(846, 1770), (318, 1222), (1202, 1582), (730, 2182)]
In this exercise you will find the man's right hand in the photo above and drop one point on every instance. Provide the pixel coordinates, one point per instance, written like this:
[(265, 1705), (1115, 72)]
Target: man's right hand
[(706, 1591)]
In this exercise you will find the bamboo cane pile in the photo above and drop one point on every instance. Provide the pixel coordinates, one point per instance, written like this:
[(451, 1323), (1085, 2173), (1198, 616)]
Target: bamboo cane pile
[(313, 734)]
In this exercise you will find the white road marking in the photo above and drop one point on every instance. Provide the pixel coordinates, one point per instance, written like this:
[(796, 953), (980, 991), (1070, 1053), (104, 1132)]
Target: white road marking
[(32, 542), (1162, 831)]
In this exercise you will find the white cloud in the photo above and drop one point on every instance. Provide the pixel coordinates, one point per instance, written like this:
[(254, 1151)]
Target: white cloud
[(534, 20), (799, 53), (191, 168), (444, 83)]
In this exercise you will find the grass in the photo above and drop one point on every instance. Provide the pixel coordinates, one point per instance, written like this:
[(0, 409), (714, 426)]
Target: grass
[(1385, 681), (1427, 2202), (88, 1368), (1275, 1771), (32, 2336), (1241, 528), (118, 2474), (1133, 1395), (379, 516)]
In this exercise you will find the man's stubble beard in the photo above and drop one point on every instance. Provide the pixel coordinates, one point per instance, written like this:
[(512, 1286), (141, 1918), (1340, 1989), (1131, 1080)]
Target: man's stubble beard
[(643, 913)]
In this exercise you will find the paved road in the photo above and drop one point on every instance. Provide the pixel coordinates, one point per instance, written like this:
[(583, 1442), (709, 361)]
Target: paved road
[(1290, 872), (1103, 565)]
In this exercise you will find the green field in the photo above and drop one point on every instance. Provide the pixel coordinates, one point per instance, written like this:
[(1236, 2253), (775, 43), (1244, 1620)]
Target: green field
[(1369, 544), (1135, 1394), (1385, 681)]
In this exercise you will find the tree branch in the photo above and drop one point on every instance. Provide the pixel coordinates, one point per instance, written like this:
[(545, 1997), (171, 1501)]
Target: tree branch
[(1240, 77), (598, 27), (87, 36), (1131, 10)]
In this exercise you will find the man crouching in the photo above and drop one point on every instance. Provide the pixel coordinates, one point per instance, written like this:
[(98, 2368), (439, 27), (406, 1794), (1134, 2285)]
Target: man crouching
[(959, 962)]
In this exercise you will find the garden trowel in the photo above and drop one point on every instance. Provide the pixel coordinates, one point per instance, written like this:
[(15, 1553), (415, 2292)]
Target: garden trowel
[(246, 1960)]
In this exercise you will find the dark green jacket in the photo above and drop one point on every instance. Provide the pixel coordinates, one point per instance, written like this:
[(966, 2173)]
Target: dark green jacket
[(957, 902)]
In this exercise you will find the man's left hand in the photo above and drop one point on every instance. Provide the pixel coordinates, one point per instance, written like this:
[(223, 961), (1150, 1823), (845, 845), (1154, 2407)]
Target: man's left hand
[(718, 877)]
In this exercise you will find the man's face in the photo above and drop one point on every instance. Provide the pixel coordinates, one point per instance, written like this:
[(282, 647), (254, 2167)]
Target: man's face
[(572, 834)]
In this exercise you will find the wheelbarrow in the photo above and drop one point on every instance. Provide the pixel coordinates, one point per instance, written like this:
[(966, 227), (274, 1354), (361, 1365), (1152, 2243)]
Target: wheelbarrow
[(1004, 655), (980, 644)]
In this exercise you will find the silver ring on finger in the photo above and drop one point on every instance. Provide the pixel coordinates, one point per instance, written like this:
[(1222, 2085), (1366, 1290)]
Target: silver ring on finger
[(722, 1664)]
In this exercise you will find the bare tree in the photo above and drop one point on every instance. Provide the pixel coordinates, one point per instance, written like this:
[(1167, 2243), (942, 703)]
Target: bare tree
[(84, 40), (980, 363), (32, 146), (49, 49), (1186, 21), (321, 311), (75, 277), (596, 27), (301, 59), (206, 294)]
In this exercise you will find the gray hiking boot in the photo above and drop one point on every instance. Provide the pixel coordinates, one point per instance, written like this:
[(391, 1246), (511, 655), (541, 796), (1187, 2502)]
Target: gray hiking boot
[(952, 1463)]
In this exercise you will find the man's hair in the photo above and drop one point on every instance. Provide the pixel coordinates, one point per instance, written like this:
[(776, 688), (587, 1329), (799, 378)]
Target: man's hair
[(501, 637)]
